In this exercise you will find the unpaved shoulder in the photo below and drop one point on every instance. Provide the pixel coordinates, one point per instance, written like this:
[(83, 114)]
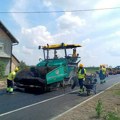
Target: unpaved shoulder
[(110, 101)]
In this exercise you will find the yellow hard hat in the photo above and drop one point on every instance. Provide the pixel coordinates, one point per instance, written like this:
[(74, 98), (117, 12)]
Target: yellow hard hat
[(81, 65), (104, 66), (101, 65), (16, 69)]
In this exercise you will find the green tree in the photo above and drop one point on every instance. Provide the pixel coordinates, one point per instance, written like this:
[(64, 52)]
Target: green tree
[(2, 69), (22, 65)]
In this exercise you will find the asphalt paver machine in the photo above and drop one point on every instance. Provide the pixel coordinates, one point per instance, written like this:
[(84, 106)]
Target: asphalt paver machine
[(57, 68)]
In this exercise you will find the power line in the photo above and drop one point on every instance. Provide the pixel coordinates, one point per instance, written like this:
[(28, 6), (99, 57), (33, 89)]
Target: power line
[(59, 11)]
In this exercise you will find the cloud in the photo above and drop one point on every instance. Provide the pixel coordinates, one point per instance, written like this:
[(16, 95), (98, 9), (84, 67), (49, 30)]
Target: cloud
[(113, 47), (86, 41), (20, 19), (105, 4), (114, 51), (26, 50), (69, 22), (37, 35), (47, 3), (69, 4), (117, 33)]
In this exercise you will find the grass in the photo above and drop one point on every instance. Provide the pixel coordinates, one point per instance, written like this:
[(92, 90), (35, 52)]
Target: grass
[(3, 79), (112, 116), (91, 69), (99, 108), (117, 92)]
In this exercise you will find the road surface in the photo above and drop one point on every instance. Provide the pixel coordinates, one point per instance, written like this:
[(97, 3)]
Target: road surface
[(36, 106)]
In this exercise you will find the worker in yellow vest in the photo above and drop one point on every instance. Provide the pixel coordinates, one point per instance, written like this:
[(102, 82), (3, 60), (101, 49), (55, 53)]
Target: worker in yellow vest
[(10, 80), (102, 74), (81, 77)]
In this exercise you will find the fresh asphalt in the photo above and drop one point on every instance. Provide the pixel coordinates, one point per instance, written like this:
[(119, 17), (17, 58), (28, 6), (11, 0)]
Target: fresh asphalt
[(43, 106)]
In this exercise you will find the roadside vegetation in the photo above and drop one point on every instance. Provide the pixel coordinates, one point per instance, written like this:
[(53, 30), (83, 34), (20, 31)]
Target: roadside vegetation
[(91, 69), (105, 106), (103, 112), (100, 113), (22, 65), (2, 69), (99, 108)]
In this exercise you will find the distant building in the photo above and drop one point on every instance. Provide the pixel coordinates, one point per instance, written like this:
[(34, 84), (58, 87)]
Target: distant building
[(7, 41)]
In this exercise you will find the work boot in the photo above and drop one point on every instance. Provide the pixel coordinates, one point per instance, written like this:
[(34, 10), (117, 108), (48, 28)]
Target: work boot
[(81, 90), (101, 82), (7, 90), (104, 81), (11, 93)]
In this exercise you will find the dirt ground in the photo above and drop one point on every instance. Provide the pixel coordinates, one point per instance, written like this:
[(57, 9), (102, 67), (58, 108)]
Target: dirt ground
[(110, 102), (2, 84)]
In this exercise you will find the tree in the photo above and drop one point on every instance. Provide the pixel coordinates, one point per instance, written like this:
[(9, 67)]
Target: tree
[(22, 65), (2, 69)]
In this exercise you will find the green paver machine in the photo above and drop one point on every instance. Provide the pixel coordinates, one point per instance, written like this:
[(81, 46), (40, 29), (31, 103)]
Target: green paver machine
[(57, 68)]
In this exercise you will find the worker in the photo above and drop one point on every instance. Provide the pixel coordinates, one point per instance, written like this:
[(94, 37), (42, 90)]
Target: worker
[(81, 76), (55, 55), (10, 80), (102, 74), (74, 53)]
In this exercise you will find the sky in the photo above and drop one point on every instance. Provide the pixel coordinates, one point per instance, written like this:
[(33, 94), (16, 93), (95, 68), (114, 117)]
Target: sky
[(97, 31)]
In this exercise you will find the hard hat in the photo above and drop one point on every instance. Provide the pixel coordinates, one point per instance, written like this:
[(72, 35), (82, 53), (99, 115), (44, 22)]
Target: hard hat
[(101, 65), (16, 69), (81, 65)]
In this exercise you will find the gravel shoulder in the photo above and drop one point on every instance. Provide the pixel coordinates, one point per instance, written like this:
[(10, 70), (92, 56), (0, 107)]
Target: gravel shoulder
[(110, 102), (3, 84)]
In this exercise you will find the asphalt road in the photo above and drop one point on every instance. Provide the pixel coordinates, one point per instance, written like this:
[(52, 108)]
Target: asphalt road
[(37, 106)]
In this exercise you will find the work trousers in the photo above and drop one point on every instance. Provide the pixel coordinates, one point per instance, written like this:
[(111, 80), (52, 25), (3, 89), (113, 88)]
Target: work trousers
[(102, 79), (81, 83), (9, 85)]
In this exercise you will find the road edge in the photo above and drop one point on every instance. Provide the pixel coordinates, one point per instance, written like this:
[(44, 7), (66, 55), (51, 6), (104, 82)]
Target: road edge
[(84, 102)]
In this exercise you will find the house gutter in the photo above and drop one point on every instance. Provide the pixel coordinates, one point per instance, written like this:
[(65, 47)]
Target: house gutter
[(11, 55)]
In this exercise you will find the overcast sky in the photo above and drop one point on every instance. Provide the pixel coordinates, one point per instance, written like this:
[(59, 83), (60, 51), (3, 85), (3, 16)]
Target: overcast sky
[(97, 31)]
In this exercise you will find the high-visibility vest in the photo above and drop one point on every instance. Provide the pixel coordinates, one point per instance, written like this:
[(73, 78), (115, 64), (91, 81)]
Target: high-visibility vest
[(11, 75), (81, 73), (104, 71)]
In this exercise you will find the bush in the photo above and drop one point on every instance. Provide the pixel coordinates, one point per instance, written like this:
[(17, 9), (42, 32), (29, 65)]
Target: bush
[(22, 65), (99, 108), (112, 116), (2, 69)]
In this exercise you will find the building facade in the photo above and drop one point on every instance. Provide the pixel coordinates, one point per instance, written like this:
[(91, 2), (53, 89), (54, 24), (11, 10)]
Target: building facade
[(7, 40)]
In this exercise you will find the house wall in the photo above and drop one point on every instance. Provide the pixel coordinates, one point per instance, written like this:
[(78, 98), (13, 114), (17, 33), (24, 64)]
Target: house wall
[(7, 65), (6, 42)]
